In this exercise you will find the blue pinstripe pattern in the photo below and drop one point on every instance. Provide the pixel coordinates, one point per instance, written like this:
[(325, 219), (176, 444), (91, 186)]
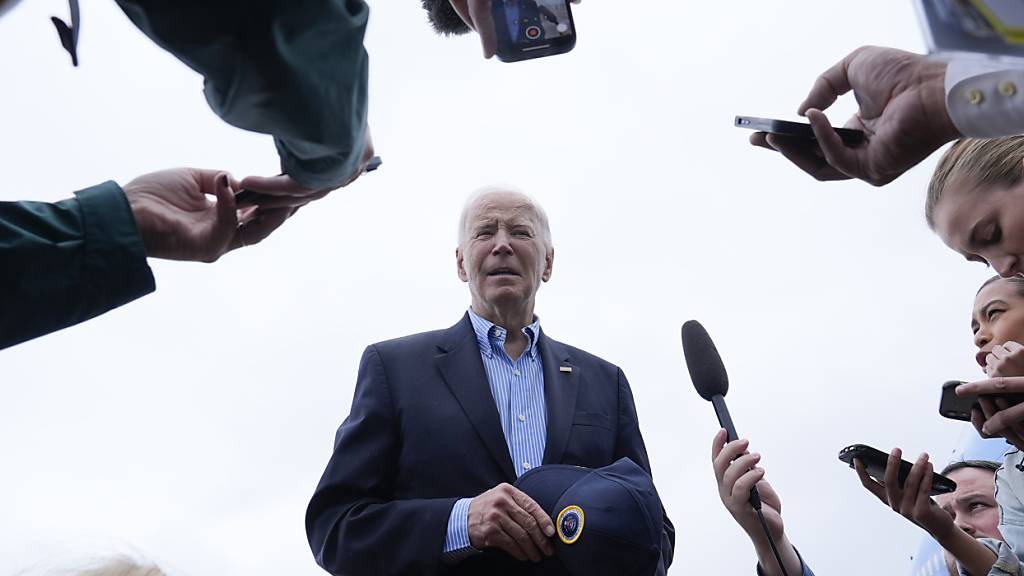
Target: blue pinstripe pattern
[(518, 390)]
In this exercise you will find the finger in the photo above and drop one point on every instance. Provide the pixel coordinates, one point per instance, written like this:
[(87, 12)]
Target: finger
[(837, 154), (761, 139), (267, 202), (806, 155), (739, 467), (730, 452), (480, 13), (829, 86), (263, 225), (1000, 421), (1012, 346), (505, 542), (990, 360), (911, 486), (923, 502), (718, 443), (998, 351), (868, 482), (741, 489), (1001, 385), (281, 185), (535, 521), (462, 9), (521, 538), (978, 420), (892, 484)]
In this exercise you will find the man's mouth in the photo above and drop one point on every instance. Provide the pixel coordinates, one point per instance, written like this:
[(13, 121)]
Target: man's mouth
[(980, 357), (503, 272)]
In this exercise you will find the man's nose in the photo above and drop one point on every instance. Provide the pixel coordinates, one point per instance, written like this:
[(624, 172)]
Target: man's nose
[(965, 526), (502, 243)]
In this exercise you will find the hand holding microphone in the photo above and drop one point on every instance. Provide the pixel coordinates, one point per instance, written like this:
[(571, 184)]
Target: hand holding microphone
[(735, 468)]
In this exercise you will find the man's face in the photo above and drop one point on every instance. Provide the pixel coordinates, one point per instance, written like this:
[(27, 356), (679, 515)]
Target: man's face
[(503, 255), (973, 504)]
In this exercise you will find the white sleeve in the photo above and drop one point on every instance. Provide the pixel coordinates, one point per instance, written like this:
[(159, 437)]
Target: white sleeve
[(985, 99)]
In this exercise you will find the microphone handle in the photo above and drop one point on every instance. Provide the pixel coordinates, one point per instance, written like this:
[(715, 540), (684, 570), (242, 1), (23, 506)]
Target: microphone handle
[(718, 401)]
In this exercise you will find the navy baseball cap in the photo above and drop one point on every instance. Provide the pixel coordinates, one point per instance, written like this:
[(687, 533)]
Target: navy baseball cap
[(608, 521)]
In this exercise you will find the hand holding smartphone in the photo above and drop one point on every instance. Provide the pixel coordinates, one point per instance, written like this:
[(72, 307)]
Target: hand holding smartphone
[(875, 462), (959, 407)]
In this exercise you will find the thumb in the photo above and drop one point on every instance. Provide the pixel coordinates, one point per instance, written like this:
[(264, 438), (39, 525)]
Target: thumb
[(226, 208)]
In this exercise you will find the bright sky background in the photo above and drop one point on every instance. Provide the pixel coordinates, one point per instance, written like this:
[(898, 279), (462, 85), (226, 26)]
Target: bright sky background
[(193, 425)]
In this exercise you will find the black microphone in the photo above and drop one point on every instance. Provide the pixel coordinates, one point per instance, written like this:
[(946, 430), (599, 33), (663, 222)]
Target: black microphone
[(709, 378)]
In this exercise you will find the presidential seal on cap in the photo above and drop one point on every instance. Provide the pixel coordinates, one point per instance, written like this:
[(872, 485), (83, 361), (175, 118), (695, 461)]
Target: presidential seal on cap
[(569, 524)]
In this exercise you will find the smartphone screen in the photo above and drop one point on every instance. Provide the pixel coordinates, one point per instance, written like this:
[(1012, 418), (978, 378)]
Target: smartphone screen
[(532, 28)]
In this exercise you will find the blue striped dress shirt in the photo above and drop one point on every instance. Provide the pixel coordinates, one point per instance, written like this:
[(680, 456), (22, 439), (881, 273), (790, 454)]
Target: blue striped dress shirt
[(518, 390)]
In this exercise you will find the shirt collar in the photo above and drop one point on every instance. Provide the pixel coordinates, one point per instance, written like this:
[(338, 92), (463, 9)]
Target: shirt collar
[(490, 336)]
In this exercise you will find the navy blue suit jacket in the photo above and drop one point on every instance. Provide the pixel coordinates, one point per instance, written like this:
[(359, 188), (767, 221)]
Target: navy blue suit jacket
[(424, 431)]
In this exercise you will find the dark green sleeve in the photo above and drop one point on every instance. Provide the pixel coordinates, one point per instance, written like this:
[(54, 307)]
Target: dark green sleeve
[(64, 263), (295, 69)]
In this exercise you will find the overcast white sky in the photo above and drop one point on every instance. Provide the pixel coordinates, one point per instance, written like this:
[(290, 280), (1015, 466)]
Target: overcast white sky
[(193, 425)]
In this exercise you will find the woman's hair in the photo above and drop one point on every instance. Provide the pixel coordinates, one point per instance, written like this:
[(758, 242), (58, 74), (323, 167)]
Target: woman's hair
[(981, 162), (959, 464), (1017, 282)]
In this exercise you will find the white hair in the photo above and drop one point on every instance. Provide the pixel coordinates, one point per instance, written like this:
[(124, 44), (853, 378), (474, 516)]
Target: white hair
[(476, 197)]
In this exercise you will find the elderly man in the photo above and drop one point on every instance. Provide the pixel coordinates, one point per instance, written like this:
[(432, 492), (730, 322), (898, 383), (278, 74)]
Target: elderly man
[(443, 422)]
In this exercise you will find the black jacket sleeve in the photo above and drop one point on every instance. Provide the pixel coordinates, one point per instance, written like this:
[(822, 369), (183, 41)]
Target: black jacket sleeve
[(64, 263)]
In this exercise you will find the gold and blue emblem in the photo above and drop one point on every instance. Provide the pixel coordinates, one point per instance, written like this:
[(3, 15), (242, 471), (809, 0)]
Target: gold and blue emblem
[(570, 524)]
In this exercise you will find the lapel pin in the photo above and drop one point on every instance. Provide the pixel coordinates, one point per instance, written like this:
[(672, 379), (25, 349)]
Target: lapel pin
[(566, 369)]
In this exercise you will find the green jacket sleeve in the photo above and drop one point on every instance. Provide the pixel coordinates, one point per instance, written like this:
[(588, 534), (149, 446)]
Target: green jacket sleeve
[(295, 69), (64, 263)]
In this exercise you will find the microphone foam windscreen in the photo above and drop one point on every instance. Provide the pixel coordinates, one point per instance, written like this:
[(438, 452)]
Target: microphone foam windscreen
[(702, 360)]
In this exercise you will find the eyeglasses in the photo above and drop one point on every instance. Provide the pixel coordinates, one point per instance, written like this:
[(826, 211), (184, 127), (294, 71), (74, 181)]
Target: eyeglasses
[(69, 34)]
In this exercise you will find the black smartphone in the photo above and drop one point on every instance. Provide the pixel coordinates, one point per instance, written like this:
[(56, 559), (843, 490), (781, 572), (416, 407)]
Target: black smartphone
[(875, 461), (959, 407), (849, 136), (246, 196), (528, 29)]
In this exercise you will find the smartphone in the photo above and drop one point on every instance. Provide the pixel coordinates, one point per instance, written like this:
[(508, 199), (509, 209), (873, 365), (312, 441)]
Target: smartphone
[(849, 136), (528, 29), (875, 460), (250, 196), (959, 407)]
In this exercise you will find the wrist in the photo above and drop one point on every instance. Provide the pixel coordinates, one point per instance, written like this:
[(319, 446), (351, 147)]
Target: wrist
[(932, 79)]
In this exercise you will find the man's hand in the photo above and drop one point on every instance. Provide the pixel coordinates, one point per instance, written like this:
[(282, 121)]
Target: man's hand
[(736, 471), (178, 222), (1005, 359), (902, 111), (477, 15), (914, 500), (997, 416), (504, 517), (282, 191)]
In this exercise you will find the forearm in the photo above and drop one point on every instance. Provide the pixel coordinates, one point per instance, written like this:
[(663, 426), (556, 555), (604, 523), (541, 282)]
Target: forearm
[(766, 558), (67, 262), (976, 558)]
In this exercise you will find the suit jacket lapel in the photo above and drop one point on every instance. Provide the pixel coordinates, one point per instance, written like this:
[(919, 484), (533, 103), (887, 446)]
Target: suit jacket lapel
[(463, 372), (560, 389)]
